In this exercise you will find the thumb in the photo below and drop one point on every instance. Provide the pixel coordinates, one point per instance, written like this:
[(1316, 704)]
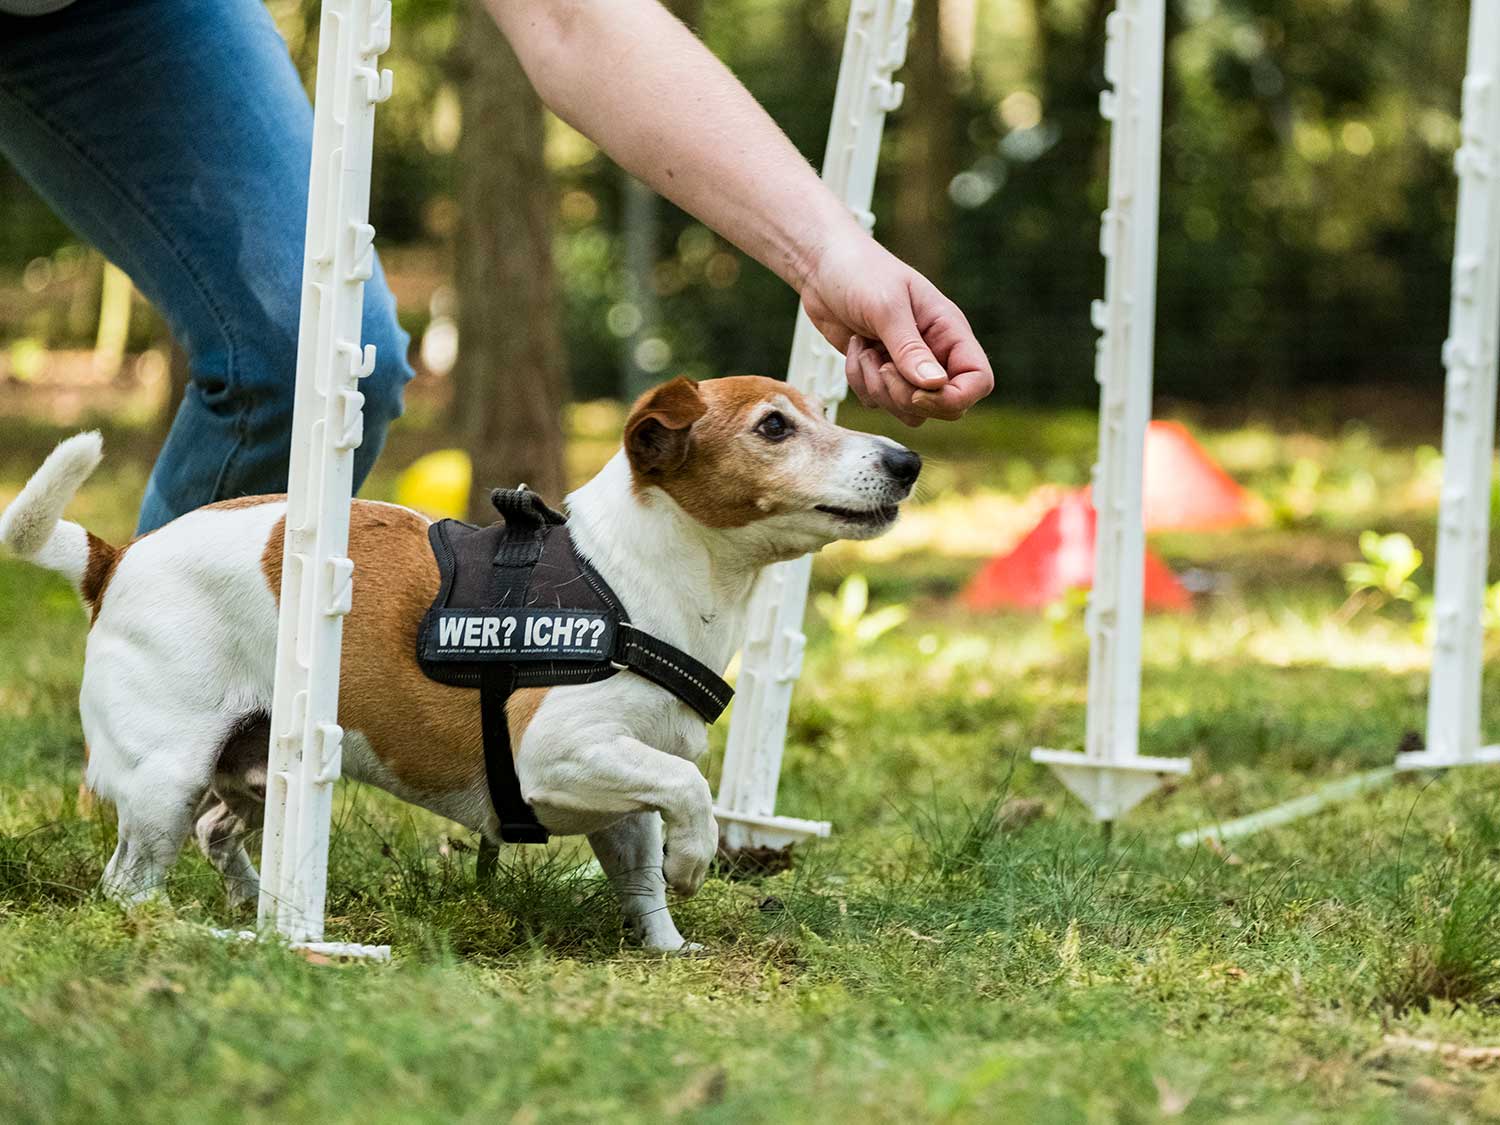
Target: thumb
[(897, 327)]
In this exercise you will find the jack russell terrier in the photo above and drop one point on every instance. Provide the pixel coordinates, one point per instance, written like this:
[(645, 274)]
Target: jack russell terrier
[(715, 481)]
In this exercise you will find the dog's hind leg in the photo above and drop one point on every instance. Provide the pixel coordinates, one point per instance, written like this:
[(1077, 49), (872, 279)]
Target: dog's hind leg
[(630, 851), (163, 785), (153, 823), (235, 807), (221, 835)]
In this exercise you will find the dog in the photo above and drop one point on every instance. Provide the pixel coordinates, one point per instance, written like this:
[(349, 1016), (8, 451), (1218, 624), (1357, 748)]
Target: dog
[(713, 482)]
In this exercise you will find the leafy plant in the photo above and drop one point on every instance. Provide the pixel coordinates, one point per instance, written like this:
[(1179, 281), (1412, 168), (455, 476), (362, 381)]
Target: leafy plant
[(1296, 500), (1389, 562), (853, 624)]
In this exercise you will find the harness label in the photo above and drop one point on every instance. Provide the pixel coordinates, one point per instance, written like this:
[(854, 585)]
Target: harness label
[(520, 635)]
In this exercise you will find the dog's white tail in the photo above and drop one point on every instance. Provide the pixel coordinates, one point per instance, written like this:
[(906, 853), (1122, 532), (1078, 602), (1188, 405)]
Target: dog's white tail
[(32, 526)]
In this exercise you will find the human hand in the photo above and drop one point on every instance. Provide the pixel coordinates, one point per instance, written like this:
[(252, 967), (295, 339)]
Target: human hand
[(908, 349)]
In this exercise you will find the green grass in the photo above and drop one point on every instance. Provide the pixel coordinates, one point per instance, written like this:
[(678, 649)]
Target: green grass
[(929, 962)]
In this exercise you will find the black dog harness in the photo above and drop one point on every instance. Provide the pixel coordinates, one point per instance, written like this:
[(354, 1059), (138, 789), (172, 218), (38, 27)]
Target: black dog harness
[(520, 607)]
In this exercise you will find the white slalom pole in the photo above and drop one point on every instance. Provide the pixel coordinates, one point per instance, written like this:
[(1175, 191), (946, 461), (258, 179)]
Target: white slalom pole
[(1110, 776), (874, 48), (1470, 354), (327, 426)]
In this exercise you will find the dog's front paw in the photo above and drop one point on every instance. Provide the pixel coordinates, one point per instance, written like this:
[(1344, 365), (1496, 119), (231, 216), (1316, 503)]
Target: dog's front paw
[(688, 855), (655, 932)]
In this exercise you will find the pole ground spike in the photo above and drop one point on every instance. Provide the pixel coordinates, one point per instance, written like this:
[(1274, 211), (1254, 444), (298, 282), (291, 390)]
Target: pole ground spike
[(1109, 790)]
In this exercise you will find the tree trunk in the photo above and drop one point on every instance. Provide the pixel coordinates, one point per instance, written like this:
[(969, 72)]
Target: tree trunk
[(510, 377), (928, 147)]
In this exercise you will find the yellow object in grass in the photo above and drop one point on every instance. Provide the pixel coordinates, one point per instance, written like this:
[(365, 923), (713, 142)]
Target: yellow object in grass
[(437, 485)]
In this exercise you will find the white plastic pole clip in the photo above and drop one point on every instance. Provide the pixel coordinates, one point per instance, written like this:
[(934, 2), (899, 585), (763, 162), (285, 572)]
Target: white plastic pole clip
[(327, 426), (1110, 776), (874, 49)]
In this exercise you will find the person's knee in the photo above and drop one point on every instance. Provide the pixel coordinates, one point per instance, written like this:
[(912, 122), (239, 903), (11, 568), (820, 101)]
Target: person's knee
[(385, 387), (265, 381)]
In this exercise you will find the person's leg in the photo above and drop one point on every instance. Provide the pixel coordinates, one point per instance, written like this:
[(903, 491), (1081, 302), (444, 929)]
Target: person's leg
[(176, 136)]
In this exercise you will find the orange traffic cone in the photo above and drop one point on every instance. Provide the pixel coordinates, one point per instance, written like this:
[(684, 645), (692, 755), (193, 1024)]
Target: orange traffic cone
[(1057, 556), (1186, 491)]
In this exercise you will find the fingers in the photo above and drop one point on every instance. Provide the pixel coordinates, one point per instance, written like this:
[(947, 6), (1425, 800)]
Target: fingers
[(854, 372), (950, 403), (896, 324), (947, 331), (869, 367), (899, 392), (908, 350), (876, 382), (931, 335)]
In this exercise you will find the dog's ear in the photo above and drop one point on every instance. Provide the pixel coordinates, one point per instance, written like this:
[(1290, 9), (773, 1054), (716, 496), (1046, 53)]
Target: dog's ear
[(657, 433)]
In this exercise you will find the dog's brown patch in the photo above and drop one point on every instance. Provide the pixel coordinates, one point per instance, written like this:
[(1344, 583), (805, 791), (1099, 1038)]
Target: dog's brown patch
[(689, 440), (234, 503), (428, 734), (103, 559), (520, 709)]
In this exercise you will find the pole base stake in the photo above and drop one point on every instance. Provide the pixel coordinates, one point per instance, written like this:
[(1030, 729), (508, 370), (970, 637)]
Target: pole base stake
[(1438, 760), (747, 830), (1109, 789)]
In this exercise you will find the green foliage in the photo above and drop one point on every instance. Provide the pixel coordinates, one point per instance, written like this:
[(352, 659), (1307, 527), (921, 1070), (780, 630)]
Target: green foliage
[(1065, 613), (851, 621), (1298, 494), (1386, 575), (1389, 563), (1451, 950)]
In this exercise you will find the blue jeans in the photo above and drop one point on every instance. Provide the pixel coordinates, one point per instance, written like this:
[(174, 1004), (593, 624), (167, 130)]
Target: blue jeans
[(176, 137)]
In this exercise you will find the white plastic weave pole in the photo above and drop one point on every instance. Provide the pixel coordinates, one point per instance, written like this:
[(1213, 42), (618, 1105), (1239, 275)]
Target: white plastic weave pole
[(327, 426), (874, 48), (1111, 776), (1470, 354)]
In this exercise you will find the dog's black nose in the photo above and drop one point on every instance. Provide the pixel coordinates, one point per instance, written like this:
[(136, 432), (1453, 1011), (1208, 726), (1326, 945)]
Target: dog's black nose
[(902, 464)]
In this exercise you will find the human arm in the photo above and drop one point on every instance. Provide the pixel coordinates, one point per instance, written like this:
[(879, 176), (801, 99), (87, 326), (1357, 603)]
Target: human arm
[(629, 75)]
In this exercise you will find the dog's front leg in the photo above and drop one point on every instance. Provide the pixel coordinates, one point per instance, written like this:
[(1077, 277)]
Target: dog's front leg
[(624, 775), (630, 851)]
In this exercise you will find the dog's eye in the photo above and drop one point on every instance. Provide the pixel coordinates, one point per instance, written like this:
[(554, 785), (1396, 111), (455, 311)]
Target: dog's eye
[(774, 427)]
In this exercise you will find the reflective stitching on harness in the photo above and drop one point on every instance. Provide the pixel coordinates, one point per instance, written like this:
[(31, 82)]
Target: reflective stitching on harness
[(683, 672)]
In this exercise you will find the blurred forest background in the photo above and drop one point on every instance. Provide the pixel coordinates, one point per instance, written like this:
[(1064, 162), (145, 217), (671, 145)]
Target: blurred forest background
[(1307, 213)]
